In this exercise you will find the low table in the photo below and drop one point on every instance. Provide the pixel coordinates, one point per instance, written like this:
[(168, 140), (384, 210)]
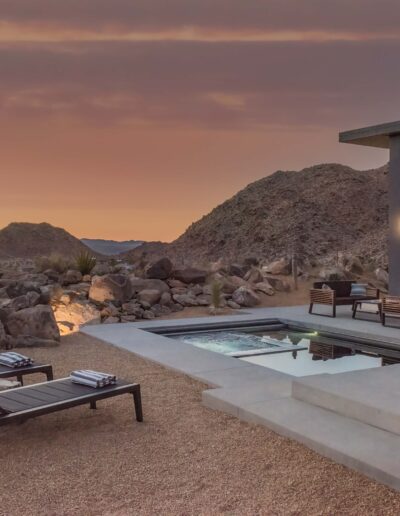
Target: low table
[(377, 303), (20, 372)]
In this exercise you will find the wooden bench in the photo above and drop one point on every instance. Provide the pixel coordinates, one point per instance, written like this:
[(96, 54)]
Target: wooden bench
[(20, 372), (24, 403)]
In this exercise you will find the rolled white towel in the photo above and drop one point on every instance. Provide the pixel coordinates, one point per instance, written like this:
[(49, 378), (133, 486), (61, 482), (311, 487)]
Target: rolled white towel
[(92, 378)]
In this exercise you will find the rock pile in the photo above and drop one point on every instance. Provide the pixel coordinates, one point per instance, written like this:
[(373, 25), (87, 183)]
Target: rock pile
[(36, 308)]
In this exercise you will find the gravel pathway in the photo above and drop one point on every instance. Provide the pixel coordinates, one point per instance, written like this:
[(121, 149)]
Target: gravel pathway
[(185, 459)]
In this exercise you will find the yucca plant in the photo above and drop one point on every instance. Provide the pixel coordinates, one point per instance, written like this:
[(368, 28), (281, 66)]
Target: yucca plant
[(216, 294), (85, 262)]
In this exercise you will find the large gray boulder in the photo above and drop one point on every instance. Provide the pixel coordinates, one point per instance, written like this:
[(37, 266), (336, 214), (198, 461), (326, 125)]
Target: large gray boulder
[(3, 337), (244, 296), (190, 275), (185, 300), (161, 269), (150, 296), (36, 321), (70, 277), (110, 287), (139, 284), (254, 275), (382, 276)]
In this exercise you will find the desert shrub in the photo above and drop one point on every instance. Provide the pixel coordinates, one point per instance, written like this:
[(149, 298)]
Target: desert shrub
[(55, 262), (216, 294), (85, 262)]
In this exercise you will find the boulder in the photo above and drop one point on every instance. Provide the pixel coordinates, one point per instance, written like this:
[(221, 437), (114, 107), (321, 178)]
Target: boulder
[(27, 341), (150, 296), (174, 283), (264, 287), (71, 317), (354, 265), (179, 290), (166, 299), (185, 300), (196, 290), (127, 318), (332, 274), (254, 275), (133, 308), (236, 270), (279, 267), (278, 284), (3, 337), (245, 296), (111, 320), (18, 303), (148, 314), (36, 321), (70, 277), (100, 269), (231, 283), (139, 284), (33, 298), (190, 275), (161, 269), (110, 287), (160, 310), (382, 276), (233, 305), (52, 275), (110, 311)]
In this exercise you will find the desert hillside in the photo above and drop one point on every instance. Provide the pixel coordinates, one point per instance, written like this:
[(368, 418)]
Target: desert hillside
[(110, 247), (25, 240), (317, 211)]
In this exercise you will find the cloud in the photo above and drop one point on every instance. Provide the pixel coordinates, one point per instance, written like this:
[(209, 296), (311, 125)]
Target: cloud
[(160, 14)]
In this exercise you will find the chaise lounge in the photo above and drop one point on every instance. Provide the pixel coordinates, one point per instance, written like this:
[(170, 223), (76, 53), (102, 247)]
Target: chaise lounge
[(338, 293), (24, 403)]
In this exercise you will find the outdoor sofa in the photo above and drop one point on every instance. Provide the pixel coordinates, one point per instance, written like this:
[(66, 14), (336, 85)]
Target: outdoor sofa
[(22, 403), (337, 293)]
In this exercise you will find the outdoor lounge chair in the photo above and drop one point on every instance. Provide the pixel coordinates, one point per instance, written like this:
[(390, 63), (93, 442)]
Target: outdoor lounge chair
[(337, 294), (20, 372), (23, 403), (390, 308)]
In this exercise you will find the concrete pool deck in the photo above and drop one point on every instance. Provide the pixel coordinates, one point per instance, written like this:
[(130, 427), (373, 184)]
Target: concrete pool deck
[(356, 430)]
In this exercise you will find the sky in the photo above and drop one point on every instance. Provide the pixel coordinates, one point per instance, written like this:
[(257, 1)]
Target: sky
[(132, 119)]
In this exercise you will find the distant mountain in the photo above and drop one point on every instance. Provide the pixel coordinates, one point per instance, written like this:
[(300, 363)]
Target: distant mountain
[(26, 240), (111, 247)]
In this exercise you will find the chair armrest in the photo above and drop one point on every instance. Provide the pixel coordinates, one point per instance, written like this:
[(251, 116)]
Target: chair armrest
[(391, 304), (373, 292), (322, 296)]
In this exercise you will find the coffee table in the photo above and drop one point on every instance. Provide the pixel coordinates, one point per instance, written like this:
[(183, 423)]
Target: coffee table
[(377, 303)]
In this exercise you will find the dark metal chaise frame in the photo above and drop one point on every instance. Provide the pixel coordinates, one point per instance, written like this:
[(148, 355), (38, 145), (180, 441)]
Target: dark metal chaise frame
[(24, 403), (20, 372)]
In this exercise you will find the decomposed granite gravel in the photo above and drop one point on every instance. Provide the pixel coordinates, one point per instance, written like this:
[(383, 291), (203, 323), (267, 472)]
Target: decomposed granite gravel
[(184, 459)]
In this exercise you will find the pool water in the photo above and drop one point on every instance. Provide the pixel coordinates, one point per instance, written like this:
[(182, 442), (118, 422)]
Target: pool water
[(290, 352)]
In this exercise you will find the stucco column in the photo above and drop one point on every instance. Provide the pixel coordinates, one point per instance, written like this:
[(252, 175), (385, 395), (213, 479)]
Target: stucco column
[(394, 216)]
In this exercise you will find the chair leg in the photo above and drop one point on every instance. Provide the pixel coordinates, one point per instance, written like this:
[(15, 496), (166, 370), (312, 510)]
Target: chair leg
[(311, 307), (383, 319), (334, 311), (93, 405), (137, 399)]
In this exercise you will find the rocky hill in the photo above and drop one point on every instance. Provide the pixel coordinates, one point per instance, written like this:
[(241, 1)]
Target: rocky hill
[(25, 240), (317, 211)]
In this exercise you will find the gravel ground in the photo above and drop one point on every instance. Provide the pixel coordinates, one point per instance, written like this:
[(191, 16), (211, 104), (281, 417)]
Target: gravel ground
[(184, 459)]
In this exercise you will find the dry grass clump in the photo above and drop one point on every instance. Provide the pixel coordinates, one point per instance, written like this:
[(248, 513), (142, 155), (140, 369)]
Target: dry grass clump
[(85, 262), (54, 261)]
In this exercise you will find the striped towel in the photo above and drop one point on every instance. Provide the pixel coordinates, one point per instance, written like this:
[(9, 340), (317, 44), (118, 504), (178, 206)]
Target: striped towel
[(11, 359), (93, 378)]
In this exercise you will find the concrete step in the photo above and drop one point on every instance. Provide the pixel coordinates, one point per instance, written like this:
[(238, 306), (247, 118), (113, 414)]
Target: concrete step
[(371, 396), (369, 450)]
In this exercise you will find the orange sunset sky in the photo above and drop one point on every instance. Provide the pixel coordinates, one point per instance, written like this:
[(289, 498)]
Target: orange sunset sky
[(131, 119)]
